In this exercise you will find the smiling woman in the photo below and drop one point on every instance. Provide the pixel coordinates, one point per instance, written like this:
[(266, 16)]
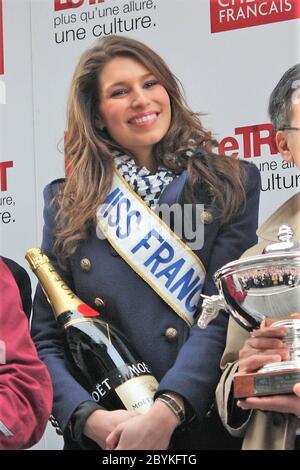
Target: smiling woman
[(135, 108), (133, 146)]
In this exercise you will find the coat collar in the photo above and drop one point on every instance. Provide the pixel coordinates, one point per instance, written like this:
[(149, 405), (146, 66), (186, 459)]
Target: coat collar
[(288, 213), (171, 194)]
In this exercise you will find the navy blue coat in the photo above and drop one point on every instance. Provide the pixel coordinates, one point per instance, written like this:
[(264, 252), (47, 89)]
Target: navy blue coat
[(188, 364)]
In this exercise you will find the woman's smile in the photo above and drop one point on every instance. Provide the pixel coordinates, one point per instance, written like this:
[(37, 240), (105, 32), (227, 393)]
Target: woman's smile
[(144, 119)]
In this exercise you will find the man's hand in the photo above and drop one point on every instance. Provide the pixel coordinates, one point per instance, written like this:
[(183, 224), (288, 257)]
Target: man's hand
[(277, 403), (265, 346), (296, 389)]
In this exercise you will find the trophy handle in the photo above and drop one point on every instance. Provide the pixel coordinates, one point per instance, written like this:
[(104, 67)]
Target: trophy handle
[(210, 308)]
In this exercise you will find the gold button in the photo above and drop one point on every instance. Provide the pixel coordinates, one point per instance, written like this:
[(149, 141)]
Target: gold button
[(99, 302), (206, 217), (171, 334), (85, 264)]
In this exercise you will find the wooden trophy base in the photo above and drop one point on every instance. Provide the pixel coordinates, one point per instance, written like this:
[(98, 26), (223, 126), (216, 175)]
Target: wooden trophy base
[(267, 383)]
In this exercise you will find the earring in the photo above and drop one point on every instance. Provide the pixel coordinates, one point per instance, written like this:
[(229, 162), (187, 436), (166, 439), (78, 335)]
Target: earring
[(99, 124), (102, 131), (171, 158)]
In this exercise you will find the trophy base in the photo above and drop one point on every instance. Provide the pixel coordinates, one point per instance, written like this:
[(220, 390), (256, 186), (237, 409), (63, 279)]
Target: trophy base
[(266, 383)]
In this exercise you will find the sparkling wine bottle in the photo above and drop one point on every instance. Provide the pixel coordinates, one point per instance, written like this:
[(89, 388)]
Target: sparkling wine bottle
[(98, 355)]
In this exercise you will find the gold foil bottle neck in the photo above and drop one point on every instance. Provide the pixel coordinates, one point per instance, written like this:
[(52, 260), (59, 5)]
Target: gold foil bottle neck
[(58, 294), (35, 258)]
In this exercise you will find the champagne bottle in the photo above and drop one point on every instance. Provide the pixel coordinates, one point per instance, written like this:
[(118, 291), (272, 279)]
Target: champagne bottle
[(98, 355)]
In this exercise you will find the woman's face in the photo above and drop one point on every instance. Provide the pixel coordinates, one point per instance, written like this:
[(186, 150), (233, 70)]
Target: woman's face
[(134, 106)]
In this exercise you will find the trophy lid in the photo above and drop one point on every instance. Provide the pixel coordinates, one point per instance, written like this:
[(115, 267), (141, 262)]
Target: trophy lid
[(285, 243)]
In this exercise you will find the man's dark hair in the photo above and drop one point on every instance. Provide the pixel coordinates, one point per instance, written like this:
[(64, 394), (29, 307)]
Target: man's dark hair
[(281, 101)]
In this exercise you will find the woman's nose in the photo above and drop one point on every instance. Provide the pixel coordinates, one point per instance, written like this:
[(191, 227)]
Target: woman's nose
[(140, 98)]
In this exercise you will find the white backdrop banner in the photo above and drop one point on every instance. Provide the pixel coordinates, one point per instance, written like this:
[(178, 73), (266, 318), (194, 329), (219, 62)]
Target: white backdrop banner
[(17, 165)]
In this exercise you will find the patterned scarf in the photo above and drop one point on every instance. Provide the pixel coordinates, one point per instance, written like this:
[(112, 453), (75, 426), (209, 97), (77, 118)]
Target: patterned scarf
[(149, 187)]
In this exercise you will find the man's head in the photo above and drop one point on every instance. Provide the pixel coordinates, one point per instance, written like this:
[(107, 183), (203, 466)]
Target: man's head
[(284, 112)]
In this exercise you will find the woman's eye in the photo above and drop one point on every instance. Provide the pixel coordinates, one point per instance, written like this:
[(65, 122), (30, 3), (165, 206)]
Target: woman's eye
[(150, 83), (119, 92)]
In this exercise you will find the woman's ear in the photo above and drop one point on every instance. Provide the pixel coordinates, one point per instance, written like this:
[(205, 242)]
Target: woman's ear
[(282, 143)]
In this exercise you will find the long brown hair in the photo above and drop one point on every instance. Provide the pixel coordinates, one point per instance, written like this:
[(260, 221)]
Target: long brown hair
[(89, 149)]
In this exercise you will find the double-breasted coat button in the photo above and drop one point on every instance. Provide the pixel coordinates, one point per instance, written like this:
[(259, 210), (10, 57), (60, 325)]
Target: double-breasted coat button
[(85, 264), (171, 334), (99, 302), (206, 217)]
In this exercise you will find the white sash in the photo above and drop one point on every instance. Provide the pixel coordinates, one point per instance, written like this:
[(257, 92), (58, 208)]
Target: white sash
[(151, 248)]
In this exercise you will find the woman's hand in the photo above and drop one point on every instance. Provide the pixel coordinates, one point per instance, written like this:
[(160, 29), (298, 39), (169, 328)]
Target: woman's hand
[(149, 431), (102, 422)]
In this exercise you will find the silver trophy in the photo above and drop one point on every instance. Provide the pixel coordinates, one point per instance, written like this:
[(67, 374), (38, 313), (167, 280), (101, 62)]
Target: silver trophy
[(264, 287)]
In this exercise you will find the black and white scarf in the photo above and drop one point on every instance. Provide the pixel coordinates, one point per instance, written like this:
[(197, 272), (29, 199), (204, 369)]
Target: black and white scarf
[(148, 186)]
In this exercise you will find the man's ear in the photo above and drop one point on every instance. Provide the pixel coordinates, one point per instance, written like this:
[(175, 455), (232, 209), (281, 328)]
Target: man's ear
[(283, 146)]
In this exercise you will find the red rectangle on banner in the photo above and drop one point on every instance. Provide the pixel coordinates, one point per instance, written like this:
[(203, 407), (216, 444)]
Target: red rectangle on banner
[(226, 15), (1, 42), (66, 4)]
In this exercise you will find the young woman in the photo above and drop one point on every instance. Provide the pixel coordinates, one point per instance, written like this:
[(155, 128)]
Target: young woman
[(128, 124)]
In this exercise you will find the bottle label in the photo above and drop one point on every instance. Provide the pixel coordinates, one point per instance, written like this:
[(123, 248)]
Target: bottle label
[(133, 383), (137, 393)]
